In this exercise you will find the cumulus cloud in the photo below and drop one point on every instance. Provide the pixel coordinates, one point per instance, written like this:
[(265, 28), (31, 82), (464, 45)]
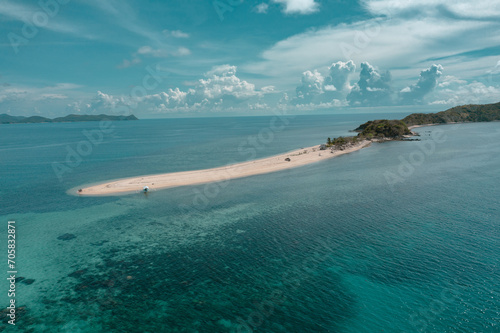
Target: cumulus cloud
[(222, 70), (453, 91), (426, 83), (318, 88), (311, 86), (219, 89), (338, 75), (303, 7), (222, 81), (391, 41), (261, 8), (104, 103), (373, 88)]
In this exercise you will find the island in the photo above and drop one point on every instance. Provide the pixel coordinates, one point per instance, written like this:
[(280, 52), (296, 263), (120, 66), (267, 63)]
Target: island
[(372, 131), (8, 119), (390, 130), (460, 114)]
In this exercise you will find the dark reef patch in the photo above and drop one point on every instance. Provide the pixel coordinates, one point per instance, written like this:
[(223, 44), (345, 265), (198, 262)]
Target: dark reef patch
[(66, 237)]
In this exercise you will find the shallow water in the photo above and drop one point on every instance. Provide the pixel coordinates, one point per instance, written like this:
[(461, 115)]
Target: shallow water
[(398, 237)]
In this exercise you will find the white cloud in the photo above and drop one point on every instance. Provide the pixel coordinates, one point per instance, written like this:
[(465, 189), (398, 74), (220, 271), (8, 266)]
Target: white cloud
[(334, 103), (259, 106), (222, 81), (339, 74), (426, 83), (298, 6), (21, 93), (219, 90), (149, 51), (261, 8), (453, 91), (373, 88), (182, 51), (311, 86), (129, 63), (50, 100), (162, 53), (479, 9), (50, 96), (396, 41), (104, 101), (268, 89), (316, 88), (222, 70), (176, 33)]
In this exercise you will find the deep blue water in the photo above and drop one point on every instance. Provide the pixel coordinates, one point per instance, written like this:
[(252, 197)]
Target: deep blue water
[(398, 237)]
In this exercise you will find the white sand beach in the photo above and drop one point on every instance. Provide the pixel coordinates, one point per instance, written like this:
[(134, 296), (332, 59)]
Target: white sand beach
[(275, 163)]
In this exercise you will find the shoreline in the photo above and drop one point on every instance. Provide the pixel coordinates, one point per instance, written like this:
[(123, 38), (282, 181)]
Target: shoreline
[(298, 157)]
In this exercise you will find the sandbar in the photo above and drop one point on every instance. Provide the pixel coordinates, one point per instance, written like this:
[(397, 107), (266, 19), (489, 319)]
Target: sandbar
[(275, 163)]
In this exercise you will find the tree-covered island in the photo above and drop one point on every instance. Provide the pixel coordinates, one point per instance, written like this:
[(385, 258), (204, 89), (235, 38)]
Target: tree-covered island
[(388, 130)]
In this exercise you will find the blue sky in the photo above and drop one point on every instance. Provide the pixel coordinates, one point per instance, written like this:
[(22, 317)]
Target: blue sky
[(227, 57)]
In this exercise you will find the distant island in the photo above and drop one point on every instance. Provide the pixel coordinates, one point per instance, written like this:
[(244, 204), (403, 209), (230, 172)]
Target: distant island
[(8, 119), (387, 130), (460, 114)]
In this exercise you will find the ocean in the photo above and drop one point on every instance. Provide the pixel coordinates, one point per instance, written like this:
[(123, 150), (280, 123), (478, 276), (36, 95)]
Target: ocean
[(397, 237)]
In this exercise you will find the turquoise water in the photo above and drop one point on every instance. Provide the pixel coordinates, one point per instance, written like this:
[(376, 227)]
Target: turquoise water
[(398, 237)]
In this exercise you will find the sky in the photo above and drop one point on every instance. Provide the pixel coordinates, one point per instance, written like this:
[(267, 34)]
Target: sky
[(177, 58)]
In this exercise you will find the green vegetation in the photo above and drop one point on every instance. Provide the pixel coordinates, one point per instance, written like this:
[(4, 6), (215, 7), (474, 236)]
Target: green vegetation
[(7, 119), (383, 129), (343, 141), (397, 129), (376, 129), (458, 114)]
